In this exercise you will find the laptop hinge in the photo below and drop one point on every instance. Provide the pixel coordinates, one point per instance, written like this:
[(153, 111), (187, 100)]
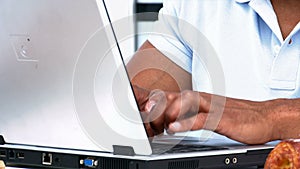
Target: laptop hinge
[(2, 141), (123, 150)]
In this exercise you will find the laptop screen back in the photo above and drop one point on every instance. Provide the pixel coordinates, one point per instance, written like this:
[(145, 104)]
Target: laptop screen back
[(61, 83)]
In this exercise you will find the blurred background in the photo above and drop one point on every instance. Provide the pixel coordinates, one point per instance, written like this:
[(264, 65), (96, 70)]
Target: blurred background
[(120, 9)]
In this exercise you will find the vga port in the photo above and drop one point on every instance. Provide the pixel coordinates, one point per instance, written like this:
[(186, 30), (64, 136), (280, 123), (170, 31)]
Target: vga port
[(89, 162)]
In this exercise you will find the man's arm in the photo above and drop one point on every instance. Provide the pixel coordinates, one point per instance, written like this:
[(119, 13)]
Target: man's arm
[(178, 109), (286, 116), (245, 121), (260, 122), (150, 69)]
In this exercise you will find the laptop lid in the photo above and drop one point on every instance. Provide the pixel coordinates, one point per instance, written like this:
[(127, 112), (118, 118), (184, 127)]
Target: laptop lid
[(63, 84)]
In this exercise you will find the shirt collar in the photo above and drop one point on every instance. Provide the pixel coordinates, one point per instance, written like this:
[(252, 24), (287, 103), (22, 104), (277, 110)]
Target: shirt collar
[(242, 1)]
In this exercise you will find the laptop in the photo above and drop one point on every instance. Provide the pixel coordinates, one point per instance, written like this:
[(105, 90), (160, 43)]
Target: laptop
[(66, 100)]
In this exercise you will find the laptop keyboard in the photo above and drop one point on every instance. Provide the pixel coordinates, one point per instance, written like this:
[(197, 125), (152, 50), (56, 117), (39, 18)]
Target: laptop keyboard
[(158, 148)]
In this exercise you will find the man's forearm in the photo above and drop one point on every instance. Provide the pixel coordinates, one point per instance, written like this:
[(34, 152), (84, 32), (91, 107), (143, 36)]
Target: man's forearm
[(286, 116), (259, 122)]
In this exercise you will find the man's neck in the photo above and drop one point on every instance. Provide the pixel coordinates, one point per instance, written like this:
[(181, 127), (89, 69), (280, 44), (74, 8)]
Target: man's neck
[(288, 15)]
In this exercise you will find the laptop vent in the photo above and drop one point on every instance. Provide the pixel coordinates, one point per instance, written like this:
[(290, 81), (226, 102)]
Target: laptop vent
[(113, 163), (192, 164)]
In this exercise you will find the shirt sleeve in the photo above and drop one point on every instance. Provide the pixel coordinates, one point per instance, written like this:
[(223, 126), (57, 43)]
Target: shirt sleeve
[(166, 36)]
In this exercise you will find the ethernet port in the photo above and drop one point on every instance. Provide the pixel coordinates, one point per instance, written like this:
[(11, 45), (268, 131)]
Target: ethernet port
[(47, 158)]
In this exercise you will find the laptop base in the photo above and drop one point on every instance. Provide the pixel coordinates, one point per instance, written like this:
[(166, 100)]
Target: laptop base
[(34, 158)]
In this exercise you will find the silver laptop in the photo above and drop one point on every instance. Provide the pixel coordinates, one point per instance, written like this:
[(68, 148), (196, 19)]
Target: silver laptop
[(66, 100)]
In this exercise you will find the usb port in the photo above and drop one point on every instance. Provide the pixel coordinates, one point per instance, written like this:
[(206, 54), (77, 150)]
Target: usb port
[(20, 155), (2, 153)]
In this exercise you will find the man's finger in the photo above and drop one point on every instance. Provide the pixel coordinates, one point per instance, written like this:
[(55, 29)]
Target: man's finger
[(183, 107), (156, 106), (192, 123)]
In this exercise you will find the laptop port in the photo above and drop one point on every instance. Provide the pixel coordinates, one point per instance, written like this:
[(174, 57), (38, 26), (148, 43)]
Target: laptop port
[(20, 155), (2, 153), (47, 158), (11, 154), (89, 162)]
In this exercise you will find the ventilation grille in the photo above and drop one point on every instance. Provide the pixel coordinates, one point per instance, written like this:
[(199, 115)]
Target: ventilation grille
[(192, 164), (113, 163)]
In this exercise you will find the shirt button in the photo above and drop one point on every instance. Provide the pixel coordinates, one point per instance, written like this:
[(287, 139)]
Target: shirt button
[(290, 41), (276, 49)]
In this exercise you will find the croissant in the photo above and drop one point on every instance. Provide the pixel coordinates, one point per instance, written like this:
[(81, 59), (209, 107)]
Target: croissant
[(2, 165), (285, 155)]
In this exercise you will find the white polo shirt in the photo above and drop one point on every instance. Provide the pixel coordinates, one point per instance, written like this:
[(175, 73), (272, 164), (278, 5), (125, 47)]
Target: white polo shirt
[(255, 62)]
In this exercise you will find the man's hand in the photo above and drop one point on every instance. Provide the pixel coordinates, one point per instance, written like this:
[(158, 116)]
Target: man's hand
[(241, 120), (142, 97)]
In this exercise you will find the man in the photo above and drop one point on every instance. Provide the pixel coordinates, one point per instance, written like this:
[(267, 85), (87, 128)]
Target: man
[(257, 44)]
